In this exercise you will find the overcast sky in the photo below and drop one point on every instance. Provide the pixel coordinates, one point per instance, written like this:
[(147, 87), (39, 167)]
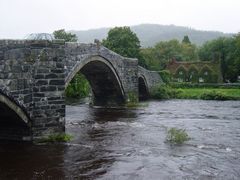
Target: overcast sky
[(21, 17)]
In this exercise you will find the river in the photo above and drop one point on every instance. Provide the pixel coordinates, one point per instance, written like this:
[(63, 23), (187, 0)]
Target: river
[(130, 144)]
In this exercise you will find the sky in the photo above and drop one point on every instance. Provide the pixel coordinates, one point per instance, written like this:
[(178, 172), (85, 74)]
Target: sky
[(21, 17)]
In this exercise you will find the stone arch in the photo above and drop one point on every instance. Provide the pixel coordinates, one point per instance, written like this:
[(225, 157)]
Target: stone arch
[(15, 121), (193, 74), (181, 74), (143, 91), (206, 74), (103, 78)]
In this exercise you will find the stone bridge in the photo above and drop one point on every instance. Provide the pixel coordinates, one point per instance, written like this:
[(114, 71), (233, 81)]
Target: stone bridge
[(34, 75)]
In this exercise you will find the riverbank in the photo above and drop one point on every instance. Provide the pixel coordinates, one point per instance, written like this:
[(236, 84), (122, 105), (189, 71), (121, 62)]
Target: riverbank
[(198, 93), (206, 93)]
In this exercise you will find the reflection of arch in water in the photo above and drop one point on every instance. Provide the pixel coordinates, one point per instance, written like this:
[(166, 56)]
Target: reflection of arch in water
[(15, 122), (143, 91), (103, 78), (181, 74), (193, 74)]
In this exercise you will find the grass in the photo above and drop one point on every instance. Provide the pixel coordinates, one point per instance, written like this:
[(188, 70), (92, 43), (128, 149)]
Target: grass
[(136, 105), (208, 93), (58, 137), (177, 136)]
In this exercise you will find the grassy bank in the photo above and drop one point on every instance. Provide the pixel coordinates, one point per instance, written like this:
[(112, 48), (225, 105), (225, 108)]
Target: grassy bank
[(205, 93), (198, 93)]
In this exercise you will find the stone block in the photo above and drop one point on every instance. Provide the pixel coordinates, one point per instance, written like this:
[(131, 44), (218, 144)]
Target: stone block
[(57, 82)]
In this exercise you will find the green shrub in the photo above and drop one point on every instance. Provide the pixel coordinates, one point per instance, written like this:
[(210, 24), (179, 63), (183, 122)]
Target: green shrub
[(78, 87), (214, 95), (204, 85), (177, 136), (165, 75), (164, 92), (132, 100), (58, 137)]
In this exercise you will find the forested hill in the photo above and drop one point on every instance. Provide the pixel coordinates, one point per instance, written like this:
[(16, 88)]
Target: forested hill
[(150, 34)]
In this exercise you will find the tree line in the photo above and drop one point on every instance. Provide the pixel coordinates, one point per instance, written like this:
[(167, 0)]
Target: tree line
[(126, 43)]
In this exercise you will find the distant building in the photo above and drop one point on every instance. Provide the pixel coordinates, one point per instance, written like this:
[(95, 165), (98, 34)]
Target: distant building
[(195, 71)]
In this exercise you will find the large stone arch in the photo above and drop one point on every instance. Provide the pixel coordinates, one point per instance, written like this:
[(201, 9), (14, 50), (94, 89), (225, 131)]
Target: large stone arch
[(143, 91), (103, 78), (14, 119)]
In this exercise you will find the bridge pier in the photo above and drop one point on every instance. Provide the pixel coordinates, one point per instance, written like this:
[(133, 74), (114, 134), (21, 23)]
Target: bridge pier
[(48, 112)]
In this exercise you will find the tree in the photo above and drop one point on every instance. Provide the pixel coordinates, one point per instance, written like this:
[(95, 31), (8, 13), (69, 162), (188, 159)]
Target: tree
[(186, 40), (123, 41), (62, 34), (227, 51), (156, 58), (189, 52)]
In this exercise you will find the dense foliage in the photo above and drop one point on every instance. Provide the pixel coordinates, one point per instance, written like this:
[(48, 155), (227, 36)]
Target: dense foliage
[(78, 87), (227, 51), (62, 34), (164, 92), (214, 95), (189, 91), (156, 58), (123, 41), (224, 50), (186, 40)]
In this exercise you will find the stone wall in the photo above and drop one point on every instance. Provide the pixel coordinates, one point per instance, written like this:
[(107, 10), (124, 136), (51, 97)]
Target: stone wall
[(32, 73), (152, 78)]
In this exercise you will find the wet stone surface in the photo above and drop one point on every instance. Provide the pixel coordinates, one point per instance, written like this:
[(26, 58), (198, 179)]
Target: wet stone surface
[(130, 144)]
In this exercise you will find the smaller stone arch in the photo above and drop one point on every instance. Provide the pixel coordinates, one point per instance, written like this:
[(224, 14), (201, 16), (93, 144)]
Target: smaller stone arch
[(205, 75), (143, 91), (181, 74), (15, 122), (193, 74)]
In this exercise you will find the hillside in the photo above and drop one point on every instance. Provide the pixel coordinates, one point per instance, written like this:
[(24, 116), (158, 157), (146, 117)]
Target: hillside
[(150, 34)]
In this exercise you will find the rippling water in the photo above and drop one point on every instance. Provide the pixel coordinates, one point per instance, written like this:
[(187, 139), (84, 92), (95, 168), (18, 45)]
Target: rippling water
[(130, 144)]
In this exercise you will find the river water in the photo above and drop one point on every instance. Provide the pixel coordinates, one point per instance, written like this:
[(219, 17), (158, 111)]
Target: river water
[(130, 144)]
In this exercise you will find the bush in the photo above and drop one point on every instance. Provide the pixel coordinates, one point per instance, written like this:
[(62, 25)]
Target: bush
[(165, 75), (214, 95), (164, 92), (78, 87), (132, 100), (204, 85), (58, 137), (177, 136)]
